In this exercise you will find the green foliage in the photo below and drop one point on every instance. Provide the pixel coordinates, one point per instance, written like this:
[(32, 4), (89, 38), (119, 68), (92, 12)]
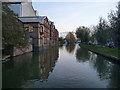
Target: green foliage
[(92, 37), (114, 19), (83, 33), (61, 40), (105, 50), (105, 32), (101, 32), (70, 37), (12, 31)]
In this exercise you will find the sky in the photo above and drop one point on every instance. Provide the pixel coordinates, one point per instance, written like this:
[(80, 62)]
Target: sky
[(68, 16)]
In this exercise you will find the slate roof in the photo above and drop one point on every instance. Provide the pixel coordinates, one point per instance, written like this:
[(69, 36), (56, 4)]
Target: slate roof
[(51, 23), (32, 19)]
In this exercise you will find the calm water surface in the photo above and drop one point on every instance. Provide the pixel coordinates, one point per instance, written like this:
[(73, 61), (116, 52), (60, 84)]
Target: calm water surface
[(61, 67)]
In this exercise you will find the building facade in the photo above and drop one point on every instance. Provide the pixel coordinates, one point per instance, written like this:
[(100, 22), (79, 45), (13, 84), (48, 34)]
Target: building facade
[(41, 32)]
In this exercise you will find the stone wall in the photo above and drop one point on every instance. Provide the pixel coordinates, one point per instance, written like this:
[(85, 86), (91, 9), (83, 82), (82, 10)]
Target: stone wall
[(19, 51)]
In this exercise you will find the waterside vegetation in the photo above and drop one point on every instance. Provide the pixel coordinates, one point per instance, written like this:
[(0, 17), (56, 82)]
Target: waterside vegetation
[(112, 52)]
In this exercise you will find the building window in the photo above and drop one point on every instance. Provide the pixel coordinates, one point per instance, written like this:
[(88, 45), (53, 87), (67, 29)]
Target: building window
[(26, 29), (31, 40), (30, 28), (41, 30)]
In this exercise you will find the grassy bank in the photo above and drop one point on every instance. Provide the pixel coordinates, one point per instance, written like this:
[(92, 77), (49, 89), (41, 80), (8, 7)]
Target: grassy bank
[(105, 50)]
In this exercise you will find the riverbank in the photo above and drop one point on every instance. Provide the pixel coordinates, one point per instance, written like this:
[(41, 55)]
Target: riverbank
[(112, 53), (5, 58)]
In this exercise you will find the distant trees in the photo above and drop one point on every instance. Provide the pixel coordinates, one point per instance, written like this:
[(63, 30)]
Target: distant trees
[(61, 40), (104, 31), (70, 38), (83, 33), (12, 31)]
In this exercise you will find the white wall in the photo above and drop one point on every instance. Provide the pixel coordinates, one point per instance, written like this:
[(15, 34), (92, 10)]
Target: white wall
[(27, 9)]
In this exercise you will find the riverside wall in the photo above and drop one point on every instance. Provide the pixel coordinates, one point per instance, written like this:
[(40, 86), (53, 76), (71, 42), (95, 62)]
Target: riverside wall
[(19, 51)]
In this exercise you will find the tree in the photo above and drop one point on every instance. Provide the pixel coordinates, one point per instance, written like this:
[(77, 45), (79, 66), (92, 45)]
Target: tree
[(12, 31), (114, 19), (101, 32), (83, 33), (70, 37), (61, 40)]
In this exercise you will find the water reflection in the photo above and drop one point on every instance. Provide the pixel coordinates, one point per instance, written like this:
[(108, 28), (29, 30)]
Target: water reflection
[(103, 67), (61, 46), (106, 70), (33, 69), (70, 48), (82, 55), (29, 66), (115, 76)]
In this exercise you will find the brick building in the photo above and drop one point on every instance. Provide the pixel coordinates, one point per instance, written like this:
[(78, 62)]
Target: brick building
[(54, 34), (42, 31)]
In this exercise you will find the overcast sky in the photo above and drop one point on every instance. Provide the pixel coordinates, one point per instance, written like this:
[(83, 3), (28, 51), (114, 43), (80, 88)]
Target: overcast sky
[(67, 16)]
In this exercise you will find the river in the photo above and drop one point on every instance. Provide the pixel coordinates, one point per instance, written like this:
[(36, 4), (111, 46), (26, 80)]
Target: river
[(60, 67)]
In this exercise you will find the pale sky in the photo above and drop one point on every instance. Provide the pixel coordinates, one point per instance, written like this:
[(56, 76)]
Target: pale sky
[(67, 16)]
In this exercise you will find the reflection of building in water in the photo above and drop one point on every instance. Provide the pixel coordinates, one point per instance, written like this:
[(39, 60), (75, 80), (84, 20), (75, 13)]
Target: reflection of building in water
[(25, 58), (47, 60), (37, 65)]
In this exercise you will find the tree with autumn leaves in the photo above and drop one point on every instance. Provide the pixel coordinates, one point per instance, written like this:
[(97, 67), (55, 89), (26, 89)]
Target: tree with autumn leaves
[(70, 38)]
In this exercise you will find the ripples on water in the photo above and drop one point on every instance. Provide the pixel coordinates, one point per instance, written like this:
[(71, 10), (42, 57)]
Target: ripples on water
[(60, 67)]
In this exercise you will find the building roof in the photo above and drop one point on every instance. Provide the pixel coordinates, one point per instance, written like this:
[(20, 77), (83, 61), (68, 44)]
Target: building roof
[(16, 1), (32, 19), (50, 22)]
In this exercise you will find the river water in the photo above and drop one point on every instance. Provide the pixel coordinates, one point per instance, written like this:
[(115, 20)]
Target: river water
[(60, 67)]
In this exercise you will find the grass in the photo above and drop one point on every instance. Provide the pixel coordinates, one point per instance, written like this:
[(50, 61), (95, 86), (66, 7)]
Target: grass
[(105, 50)]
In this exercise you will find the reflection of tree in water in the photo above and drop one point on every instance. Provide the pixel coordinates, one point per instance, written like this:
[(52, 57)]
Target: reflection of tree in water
[(61, 46), (70, 48), (37, 66), (114, 80), (103, 67), (107, 71), (82, 55)]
